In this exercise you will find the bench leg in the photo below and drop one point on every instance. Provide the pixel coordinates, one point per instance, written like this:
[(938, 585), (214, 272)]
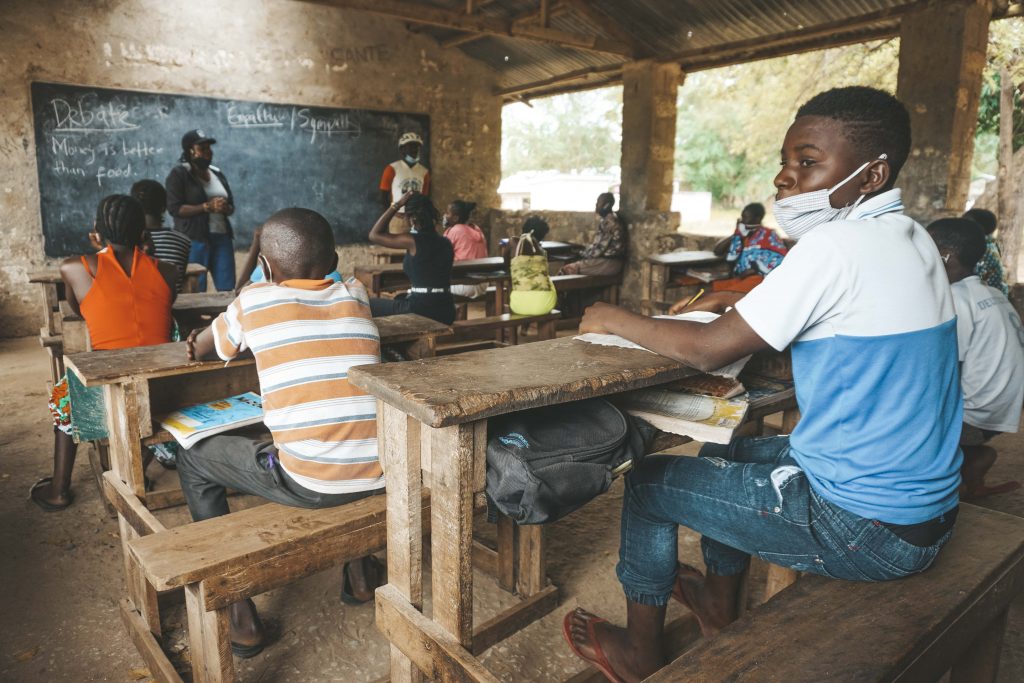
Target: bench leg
[(532, 567), (779, 578), (209, 638), (546, 330), (980, 663), (141, 594), (99, 462), (506, 553)]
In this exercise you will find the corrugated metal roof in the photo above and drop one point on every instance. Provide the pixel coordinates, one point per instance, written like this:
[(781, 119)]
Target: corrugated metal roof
[(697, 33)]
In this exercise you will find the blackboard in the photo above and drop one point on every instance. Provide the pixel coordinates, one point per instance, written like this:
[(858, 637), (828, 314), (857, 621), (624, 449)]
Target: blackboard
[(91, 142)]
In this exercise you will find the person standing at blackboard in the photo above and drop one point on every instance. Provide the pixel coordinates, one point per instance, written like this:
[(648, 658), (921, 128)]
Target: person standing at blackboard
[(428, 261), (200, 200), (405, 175)]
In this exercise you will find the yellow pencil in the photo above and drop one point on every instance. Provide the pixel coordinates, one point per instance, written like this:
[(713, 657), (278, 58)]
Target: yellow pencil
[(695, 297)]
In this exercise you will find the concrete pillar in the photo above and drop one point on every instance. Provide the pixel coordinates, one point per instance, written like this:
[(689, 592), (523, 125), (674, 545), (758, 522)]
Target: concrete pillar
[(649, 91), (942, 55)]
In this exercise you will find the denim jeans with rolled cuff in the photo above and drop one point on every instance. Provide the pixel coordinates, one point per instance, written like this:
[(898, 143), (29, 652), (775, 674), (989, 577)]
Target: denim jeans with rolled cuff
[(747, 498)]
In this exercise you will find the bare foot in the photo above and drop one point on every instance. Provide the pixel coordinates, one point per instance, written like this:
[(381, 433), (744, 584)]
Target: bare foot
[(628, 660), (712, 599), (45, 495)]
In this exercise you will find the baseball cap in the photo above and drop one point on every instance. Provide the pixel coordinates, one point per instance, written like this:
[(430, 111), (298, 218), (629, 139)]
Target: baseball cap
[(409, 137), (194, 137)]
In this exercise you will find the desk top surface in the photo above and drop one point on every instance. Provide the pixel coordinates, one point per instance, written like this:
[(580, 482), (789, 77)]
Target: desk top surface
[(203, 301), (689, 257), (466, 387), (45, 276), (468, 266), (96, 368)]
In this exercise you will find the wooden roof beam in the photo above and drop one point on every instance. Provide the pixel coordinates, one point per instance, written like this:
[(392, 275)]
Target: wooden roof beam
[(405, 10), (556, 10), (607, 25)]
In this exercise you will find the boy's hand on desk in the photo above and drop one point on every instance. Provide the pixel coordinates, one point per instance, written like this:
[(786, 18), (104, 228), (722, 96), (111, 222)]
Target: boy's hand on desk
[(715, 302), (199, 344), (598, 318)]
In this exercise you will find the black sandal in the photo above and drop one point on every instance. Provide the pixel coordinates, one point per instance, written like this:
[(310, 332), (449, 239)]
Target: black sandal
[(247, 651), (46, 505), (346, 586)]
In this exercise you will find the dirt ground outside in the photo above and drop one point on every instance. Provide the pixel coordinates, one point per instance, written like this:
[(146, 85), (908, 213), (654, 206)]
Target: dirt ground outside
[(62, 576)]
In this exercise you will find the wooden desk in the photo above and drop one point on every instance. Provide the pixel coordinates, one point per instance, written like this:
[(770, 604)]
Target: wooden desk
[(656, 272), (390, 277), (432, 417), (143, 382), (382, 255)]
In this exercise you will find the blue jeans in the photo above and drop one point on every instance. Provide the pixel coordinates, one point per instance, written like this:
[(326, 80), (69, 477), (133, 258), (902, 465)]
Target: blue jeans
[(218, 256), (749, 497)]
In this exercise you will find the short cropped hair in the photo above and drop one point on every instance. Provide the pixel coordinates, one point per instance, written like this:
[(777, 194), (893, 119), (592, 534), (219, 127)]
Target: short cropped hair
[(962, 236), (983, 217), (754, 209), (606, 197), (463, 209), (300, 241), (874, 121), (121, 220), (537, 225), (152, 196)]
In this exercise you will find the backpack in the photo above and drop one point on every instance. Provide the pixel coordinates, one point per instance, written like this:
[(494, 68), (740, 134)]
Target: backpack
[(533, 292), (546, 462)]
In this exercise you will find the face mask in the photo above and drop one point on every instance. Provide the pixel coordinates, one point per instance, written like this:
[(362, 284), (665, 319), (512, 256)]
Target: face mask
[(445, 223), (743, 229), (801, 213), (202, 163), (604, 211), (412, 161)]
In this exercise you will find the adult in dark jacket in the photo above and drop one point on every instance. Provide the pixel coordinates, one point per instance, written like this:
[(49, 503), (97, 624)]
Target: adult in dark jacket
[(200, 201)]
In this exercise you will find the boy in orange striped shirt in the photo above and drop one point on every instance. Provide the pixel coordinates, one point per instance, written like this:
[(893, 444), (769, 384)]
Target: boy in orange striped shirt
[(305, 331)]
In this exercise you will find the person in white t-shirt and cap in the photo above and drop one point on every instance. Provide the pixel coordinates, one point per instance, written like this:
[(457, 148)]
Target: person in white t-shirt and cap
[(991, 346), (404, 175)]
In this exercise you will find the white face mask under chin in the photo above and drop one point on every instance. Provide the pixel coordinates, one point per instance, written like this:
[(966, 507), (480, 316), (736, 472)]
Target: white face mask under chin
[(801, 213)]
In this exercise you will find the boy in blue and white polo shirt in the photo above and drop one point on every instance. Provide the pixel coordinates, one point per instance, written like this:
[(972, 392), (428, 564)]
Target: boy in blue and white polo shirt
[(865, 488)]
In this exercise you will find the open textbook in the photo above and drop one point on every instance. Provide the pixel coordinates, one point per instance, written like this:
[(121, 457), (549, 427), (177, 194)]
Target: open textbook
[(731, 370), (194, 423), (702, 418)]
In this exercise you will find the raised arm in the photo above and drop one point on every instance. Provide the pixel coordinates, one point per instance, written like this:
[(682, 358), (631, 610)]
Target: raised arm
[(379, 232), (705, 346)]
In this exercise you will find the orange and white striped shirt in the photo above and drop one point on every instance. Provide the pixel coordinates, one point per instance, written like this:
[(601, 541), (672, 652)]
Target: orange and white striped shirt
[(305, 335)]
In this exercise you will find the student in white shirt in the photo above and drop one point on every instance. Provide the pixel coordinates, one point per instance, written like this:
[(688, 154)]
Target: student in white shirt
[(991, 346), (864, 301), (407, 174)]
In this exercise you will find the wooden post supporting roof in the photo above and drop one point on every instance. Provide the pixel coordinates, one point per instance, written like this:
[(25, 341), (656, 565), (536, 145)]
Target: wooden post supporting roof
[(942, 56)]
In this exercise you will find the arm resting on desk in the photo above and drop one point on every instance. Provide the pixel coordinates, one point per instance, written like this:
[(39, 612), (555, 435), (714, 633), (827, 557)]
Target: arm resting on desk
[(200, 345), (703, 346)]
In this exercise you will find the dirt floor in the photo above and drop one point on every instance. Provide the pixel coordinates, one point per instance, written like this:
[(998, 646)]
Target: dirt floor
[(62, 576)]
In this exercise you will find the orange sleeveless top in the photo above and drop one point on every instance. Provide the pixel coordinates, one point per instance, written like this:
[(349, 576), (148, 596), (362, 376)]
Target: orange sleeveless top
[(122, 311)]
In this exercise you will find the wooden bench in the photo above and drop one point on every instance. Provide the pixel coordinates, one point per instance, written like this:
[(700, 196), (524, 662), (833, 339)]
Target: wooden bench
[(497, 326), (656, 272), (951, 617), (226, 559)]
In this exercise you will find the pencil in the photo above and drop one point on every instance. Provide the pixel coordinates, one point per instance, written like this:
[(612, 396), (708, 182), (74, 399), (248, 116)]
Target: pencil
[(695, 297)]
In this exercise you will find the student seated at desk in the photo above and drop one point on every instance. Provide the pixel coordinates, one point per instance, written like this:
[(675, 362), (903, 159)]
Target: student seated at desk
[(428, 261), (606, 253), (305, 331), (991, 342), (467, 240), (167, 245), (753, 249), (125, 298), (990, 266), (250, 273), (865, 488)]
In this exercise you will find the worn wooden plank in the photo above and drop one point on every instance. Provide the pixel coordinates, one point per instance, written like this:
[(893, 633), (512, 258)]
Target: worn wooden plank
[(168, 360), (140, 592), (216, 547), (506, 552), (126, 404), (451, 529), (431, 648), (908, 630), (401, 460), (531, 577), (479, 456), (471, 386), (128, 506), (160, 667), (209, 639), (514, 619), (980, 663)]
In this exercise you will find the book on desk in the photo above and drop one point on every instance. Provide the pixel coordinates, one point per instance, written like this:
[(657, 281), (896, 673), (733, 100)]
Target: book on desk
[(192, 424)]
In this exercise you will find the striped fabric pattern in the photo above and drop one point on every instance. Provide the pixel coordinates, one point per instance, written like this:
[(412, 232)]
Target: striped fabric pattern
[(305, 335), (173, 247)]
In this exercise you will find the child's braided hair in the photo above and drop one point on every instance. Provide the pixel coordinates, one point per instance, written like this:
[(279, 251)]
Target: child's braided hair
[(121, 220)]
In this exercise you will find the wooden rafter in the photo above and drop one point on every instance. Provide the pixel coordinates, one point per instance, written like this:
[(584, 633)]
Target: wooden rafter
[(607, 24), (557, 9), (406, 10)]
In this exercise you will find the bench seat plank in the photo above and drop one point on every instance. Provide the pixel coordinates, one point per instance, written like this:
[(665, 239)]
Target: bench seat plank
[(909, 630)]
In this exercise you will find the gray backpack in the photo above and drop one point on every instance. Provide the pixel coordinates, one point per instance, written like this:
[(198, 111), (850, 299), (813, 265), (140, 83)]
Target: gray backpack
[(544, 463)]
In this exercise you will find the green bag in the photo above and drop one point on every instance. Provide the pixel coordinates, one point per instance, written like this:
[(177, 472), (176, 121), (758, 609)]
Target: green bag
[(533, 292)]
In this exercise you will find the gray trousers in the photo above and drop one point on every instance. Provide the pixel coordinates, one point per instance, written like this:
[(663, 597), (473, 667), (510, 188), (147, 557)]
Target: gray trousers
[(244, 462)]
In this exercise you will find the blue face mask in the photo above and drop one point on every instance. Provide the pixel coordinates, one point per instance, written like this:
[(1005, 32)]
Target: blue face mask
[(412, 161)]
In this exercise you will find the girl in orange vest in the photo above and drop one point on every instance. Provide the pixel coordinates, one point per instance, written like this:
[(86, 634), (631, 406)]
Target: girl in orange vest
[(125, 298)]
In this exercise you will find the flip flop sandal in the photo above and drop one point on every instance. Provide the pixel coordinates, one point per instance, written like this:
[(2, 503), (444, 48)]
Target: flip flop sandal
[(247, 651), (45, 505), (599, 662), (347, 596)]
